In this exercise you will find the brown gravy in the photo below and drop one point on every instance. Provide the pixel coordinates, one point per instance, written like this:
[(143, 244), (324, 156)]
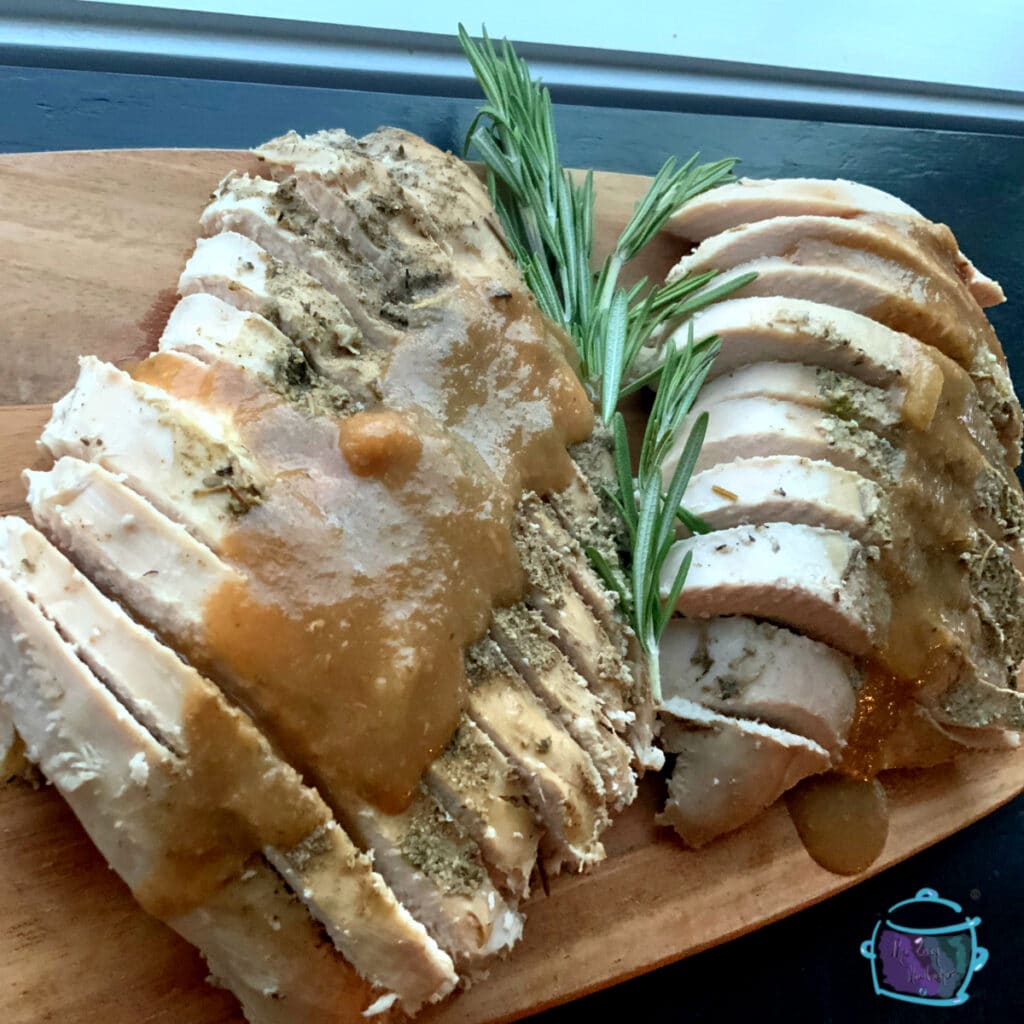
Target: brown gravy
[(381, 542), (842, 822), (220, 809)]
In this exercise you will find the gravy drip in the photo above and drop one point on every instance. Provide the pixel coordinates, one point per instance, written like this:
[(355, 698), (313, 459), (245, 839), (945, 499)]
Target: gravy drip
[(381, 543), (842, 822), (226, 804)]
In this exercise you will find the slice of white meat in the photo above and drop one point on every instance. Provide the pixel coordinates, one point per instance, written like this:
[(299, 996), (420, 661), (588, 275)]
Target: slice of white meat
[(862, 283), (479, 787), (566, 553), (919, 741), (151, 681), (437, 872), (819, 582), (776, 329), (936, 307), (210, 329), (924, 249), (565, 787), (789, 489), (870, 287), (335, 176), (236, 270), (745, 428), (447, 197), (753, 199), (749, 200), (584, 641), (529, 644), (153, 565), (976, 704), (284, 226), (334, 880), (257, 938), (187, 460), (749, 669), (814, 386), (207, 327), (727, 770)]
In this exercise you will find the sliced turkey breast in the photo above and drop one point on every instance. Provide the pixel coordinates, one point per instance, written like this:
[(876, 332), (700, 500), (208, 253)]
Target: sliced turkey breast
[(579, 506), (918, 740), (124, 789), (837, 394), (776, 328), (481, 789), (736, 666), (337, 883), (566, 552), (727, 770), (152, 564), (437, 195), (922, 249), (935, 306), (789, 489), (922, 466), (755, 330), (333, 175), (277, 220), (585, 643), (187, 459), (745, 428), (819, 582), (437, 872), (566, 789), (750, 200), (152, 486), (143, 558), (868, 286), (316, 493), (529, 645), (236, 270), (205, 325), (448, 198)]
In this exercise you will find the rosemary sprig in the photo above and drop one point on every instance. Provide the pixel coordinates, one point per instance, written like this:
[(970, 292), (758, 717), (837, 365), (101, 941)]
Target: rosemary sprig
[(549, 224), (649, 506)]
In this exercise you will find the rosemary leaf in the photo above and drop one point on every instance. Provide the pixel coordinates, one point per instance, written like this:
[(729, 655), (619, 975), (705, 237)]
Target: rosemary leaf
[(549, 224)]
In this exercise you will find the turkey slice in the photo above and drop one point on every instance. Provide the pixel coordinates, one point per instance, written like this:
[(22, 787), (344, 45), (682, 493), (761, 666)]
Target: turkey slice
[(749, 200), (728, 770)]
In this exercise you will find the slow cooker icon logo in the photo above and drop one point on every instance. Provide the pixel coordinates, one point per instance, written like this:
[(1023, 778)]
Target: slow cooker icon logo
[(925, 951)]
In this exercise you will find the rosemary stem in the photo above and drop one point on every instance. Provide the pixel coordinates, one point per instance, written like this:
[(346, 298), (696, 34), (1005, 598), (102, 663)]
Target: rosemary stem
[(654, 672)]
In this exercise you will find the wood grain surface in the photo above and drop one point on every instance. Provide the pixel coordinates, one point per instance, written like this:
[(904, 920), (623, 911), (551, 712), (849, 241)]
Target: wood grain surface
[(92, 246)]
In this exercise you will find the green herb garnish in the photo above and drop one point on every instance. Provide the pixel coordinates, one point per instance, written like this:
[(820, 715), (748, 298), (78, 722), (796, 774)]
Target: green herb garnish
[(549, 224)]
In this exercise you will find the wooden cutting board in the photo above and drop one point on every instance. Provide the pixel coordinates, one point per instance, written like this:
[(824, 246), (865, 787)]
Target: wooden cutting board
[(91, 245)]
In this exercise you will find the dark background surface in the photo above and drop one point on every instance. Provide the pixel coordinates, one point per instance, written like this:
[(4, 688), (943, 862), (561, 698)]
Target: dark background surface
[(808, 967)]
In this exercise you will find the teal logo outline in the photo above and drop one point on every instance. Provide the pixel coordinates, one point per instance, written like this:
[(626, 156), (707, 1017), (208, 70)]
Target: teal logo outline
[(886, 949)]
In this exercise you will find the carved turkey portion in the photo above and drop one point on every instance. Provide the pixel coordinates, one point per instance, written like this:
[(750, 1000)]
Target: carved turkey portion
[(859, 593), (299, 635)]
